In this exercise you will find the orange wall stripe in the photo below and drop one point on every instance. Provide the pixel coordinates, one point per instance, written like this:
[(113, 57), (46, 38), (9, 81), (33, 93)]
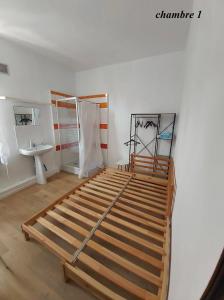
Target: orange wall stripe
[(103, 146), (64, 126), (103, 105), (63, 104), (60, 94), (93, 96), (68, 126), (72, 106), (70, 145), (103, 126), (66, 146)]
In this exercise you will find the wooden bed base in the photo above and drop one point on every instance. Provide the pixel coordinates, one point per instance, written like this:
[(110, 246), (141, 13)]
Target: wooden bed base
[(112, 234)]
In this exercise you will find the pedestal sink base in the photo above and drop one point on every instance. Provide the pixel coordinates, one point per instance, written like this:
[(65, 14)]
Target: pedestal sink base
[(41, 179), (37, 151)]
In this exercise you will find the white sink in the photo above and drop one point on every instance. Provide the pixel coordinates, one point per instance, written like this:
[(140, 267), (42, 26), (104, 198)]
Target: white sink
[(37, 152)]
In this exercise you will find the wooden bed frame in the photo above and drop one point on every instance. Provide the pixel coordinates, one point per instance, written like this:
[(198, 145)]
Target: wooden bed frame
[(112, 234)]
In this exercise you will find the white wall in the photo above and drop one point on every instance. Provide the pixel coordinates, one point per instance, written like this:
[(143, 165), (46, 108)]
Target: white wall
[(21, 168), (148, 85), (198, 220), (31, 76)]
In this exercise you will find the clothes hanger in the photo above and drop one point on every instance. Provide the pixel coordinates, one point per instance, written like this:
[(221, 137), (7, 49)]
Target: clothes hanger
[(131, 141), (138, 123), (150, 123)]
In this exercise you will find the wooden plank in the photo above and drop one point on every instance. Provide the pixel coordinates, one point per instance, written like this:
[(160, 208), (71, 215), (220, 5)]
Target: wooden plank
[(96, 266), (165, 274), (108, 182), (141, 214), (137, 166), (152, 190), (88, 282), (155, 167), (151, 180), (119, 176), (32, 220), (134, 251), (149, 186), (153, 157), (114, 169), (117, 172), (105, 185), (147, 190), (67, 223), (166, 165), (115, 179), (91, 197), (75, 215), (116, 278), (170, 191), (145, 207), (101, 195), (82, 209), (142, 198), (105, 190), (88, 202), (133, 237), (112, 179), (146, 196), (49, 244), (137, 228), (126, 264), (103, 216), (139, 220), (111, 172), (115, 242), (59, 232), (130, 249)]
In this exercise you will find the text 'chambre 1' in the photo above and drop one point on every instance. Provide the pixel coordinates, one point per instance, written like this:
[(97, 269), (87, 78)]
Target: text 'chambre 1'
[(178, 15)]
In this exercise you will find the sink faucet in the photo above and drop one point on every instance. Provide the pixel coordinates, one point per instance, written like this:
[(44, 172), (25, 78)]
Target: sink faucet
[(32, 144)]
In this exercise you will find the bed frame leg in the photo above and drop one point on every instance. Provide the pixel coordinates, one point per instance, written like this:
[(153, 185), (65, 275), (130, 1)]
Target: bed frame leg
[(26, 235), (66, 278)]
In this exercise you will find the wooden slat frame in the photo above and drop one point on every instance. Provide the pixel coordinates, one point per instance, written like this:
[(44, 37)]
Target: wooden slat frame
[(153, 166), (135, 209)]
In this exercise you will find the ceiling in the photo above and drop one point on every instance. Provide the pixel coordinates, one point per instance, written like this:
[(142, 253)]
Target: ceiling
[(89, 33)]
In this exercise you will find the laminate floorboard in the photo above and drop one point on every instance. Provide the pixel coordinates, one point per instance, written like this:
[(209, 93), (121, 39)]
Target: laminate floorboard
[(28, 270)]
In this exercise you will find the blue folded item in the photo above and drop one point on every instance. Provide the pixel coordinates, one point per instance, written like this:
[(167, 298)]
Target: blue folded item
[(166, 135)]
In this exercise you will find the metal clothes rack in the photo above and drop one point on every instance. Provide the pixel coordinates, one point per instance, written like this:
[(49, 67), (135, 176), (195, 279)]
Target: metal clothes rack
[(157, 118)]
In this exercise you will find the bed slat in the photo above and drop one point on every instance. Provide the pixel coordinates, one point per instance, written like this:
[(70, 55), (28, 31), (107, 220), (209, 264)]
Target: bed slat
[(116, 225)]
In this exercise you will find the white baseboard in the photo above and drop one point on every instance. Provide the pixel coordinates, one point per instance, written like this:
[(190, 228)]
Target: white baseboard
[(23, 184)]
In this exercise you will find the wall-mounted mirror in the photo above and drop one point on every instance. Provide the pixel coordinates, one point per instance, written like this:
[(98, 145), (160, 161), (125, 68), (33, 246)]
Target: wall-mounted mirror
[(25, 115)]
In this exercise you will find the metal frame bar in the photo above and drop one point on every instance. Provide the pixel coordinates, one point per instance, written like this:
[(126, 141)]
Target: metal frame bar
[(156, 139)]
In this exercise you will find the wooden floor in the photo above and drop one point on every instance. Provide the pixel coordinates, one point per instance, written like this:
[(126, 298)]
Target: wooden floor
[(27, 269)]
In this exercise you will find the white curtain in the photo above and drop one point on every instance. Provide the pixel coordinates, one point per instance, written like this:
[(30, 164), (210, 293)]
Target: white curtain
[(90, 154), (5, 112)]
